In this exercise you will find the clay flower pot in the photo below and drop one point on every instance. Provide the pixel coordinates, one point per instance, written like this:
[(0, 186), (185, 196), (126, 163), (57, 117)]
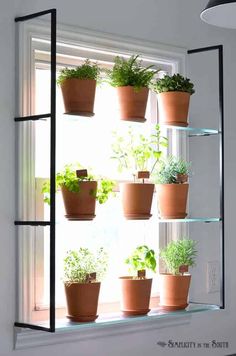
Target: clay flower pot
[(132, 103), (173, 108), (80, 205), (78, 96), (82, 301), (135, 297), (137, 200), (172, 200), (174, 291)]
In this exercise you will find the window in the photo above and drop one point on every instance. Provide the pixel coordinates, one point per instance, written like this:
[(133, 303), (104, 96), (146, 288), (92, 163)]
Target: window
[(88, 141)]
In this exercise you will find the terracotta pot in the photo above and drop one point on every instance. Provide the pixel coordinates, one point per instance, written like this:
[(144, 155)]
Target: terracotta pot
[(132, 104), (173, 108), (174, 291), (137, 200), (78, 96), (172, 200), (82, 301), (80, 205), (135, 297)]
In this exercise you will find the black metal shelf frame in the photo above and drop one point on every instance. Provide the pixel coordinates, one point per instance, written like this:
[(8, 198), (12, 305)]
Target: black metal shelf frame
[(52, 116), (219, 49)]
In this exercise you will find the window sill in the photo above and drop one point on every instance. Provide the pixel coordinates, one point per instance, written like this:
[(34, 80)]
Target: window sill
[(68, 332)]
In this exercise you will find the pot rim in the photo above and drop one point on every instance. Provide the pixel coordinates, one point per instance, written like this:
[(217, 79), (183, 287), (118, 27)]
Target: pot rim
[(131, 86), (174, 91), (175, 275), (135, 183), (171, 184), (132, 278), (78, 283), (80, 79)]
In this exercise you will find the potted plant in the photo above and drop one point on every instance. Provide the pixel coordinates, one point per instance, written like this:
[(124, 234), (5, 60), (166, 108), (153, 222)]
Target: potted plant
[(80, 191), (78, 87), (172, 187), (137, 154), (174, 286), (132, 81), (83, 271), (136, 289), (173, 95)]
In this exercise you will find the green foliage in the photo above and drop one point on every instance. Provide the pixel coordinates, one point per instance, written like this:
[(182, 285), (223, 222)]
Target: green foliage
[(138, 152), (179, 253), (87, 70), (142, 258), (169, 168), (67, 177), (175, 82), (130, 72), (78, 264)]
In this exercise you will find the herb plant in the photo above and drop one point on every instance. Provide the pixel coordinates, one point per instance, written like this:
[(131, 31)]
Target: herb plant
[(138, 152), (179, 253), (87, 70), (78, 264), (169, 169), (68, 178), (175, 82), (142, 258), (130, 72)]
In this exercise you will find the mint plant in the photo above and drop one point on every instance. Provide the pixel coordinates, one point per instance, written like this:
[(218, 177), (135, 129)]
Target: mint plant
[(175, 82), (141, 259), (79, 264), (87, 70), (68, 178), (179, 253), (130, 72)]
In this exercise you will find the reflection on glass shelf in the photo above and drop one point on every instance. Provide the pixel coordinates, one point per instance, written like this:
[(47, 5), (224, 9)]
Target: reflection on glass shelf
[(187, 220), (117, 318), (193, 131)]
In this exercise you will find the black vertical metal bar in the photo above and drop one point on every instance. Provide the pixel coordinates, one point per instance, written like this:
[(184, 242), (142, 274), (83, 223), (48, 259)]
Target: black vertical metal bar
[(53, 172), (219, 48), (52, 221), (222, 177)]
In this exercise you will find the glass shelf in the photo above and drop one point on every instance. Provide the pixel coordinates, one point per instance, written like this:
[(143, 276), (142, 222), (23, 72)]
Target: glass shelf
[(193, 131), (117, 318), (188, 220)]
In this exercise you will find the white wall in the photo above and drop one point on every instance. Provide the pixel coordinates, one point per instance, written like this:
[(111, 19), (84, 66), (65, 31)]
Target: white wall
[(166, 21)]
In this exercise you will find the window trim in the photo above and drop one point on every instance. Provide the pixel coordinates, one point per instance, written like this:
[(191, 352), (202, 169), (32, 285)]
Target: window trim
[(87, 38)]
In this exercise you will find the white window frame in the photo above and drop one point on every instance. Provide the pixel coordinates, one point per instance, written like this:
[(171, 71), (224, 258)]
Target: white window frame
[(25, 133)]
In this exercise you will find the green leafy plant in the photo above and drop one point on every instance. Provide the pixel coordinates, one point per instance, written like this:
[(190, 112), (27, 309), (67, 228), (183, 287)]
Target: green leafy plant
[(130, 72), (79, 264), (169, 169), (175, 82), (179, 253), (87, 70), (68, 178), (138, 152), (142, 258)]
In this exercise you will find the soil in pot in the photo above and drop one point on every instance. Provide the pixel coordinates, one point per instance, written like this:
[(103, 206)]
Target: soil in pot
[(82, 301), (137, 200), (80, 205), (174, 291), (135, 297), (132, 103), (173, 107), (172, 200), (78, 96)]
